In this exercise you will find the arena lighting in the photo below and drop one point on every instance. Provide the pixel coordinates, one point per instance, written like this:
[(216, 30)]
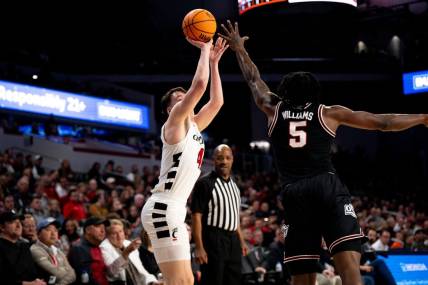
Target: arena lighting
[(246, 5), (262, 145), (350, 2), (36, 100), (395, 46), (361, 47)]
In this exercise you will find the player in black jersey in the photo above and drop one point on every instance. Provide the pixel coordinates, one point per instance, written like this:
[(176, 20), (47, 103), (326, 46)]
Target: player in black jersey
[(315, 201)]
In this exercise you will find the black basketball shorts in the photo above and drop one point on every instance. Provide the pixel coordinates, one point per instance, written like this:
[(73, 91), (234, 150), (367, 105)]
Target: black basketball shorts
[(315, 208)]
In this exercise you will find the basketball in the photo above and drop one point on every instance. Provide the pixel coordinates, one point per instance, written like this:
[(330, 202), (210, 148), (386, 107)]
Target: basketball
[(199, 25)]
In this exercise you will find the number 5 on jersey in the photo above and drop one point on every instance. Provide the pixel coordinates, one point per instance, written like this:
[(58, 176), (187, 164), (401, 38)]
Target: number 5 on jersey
[(297, 134)]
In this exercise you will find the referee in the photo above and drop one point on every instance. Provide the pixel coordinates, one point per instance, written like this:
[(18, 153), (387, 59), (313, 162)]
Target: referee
[(215, 223)]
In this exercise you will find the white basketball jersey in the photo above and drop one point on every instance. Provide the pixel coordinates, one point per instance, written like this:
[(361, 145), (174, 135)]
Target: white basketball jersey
[(181, 164)]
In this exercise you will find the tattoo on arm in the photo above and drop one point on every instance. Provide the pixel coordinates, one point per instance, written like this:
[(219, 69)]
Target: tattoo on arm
[(259, 89)]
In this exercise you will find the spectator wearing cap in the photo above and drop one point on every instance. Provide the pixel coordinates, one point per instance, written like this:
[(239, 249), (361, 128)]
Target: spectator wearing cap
[(420, 241), (74, 208), (122, 258), (16, 263), (38, 170), (50, 260), (86, 258), (29, 229)]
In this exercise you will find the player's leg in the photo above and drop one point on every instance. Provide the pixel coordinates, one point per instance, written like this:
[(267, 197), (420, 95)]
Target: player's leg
[(302, 234), (348, 266), (341, 230), (178, 272), (164, 224), (304, 279)]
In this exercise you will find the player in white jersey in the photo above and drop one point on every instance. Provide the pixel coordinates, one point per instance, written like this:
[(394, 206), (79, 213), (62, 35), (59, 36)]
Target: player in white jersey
[(164, 213)]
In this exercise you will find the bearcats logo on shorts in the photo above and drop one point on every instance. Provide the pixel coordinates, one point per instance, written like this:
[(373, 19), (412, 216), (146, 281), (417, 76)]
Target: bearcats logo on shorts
[(349, 210), (174, 232)]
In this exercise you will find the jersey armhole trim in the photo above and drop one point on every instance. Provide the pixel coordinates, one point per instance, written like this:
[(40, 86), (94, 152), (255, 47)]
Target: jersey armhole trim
[(275, 118), (322, 123)]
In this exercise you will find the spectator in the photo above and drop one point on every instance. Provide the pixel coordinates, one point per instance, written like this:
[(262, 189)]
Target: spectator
[(16, 263), (108, 169), (398, 241), (61, 188), (382, 244), (36, 208), (86, 258), (92, 189), (122, 259), (21, 193), (38, 170), (94, 172), (276, 252), (50, 260), (66, 171), (54, 210), (419, 241), (9, 204), (98, 208), (74, 208), (139, 201), (29, 232), (70, 235), (147, 255), (371, 235), (133, 176)]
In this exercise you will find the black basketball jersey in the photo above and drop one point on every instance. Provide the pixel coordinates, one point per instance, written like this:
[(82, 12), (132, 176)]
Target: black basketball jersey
[(301, 141)]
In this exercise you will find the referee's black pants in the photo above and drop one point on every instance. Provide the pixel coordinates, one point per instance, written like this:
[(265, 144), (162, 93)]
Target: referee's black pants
[(224, 257)]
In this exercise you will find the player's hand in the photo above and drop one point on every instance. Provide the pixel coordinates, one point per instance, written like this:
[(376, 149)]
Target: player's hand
[(217, 50), (201, 255), (231, 35), (328, 273), (135, 244), (203, 46)]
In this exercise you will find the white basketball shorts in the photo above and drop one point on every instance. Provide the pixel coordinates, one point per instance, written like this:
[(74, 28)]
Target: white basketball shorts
[(163, 220)]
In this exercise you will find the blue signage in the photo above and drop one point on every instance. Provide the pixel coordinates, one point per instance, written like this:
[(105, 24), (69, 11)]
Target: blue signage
[(415, 82), (408, 269), (38, 100)]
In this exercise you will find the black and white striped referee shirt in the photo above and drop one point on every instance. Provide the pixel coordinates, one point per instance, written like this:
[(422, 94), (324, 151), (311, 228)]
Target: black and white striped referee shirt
[(218, 200)]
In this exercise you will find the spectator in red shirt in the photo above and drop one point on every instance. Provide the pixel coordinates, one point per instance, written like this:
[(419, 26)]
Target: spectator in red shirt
[(85, 257), (74, 208)]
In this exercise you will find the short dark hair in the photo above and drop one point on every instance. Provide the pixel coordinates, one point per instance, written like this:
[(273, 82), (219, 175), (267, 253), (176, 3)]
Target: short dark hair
[(166, 99), (299, 88)]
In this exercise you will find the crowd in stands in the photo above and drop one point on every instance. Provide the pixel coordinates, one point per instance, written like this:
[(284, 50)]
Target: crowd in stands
[(86, 227)]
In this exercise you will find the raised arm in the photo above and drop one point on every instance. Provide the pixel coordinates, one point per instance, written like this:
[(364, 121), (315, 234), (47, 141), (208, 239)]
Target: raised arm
[(211, 109), (334, 116), (261, 93), (185, 107)]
